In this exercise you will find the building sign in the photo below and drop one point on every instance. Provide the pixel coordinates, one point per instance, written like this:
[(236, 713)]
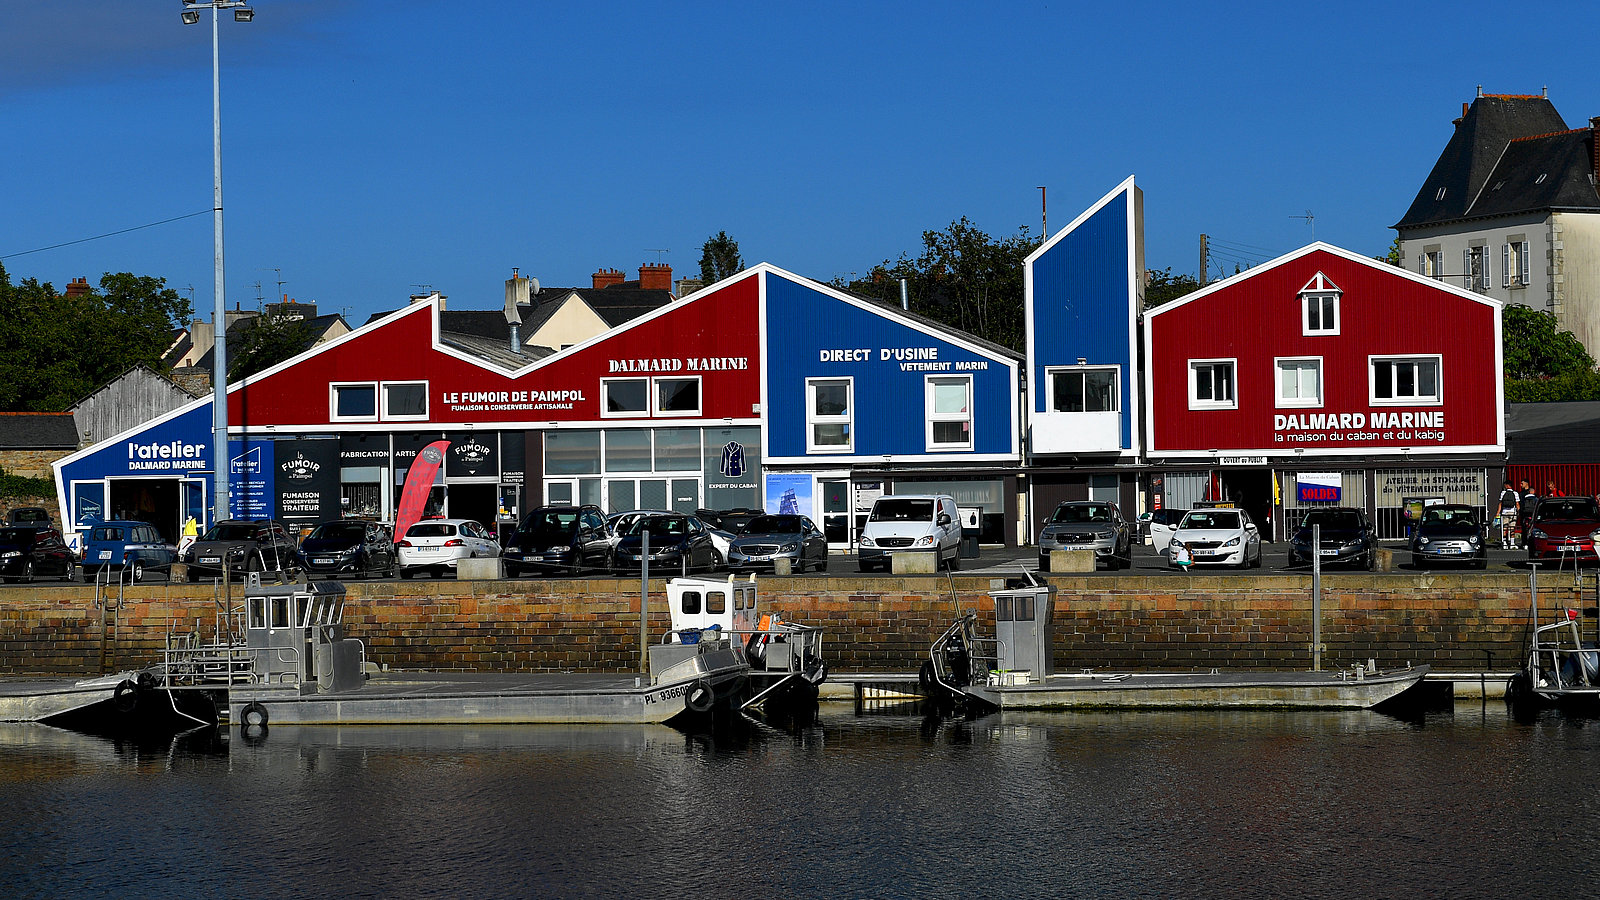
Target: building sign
[(1357, 428), (250, 468), (473, 455), (509, 401), (513, 457), (1455, 485), (732, 460), (1241, 460), (306, 479), (1318, 487), (910, 359), (361, 449), (689, 364), (732, 467), (790, 494)]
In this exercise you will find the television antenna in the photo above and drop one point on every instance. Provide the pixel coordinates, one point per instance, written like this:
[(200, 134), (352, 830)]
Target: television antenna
[(657, 252), (1310, 220)]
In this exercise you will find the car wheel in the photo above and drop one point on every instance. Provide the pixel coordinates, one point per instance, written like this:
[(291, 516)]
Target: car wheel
[(576, 569), (955, 560), (1044, 562), (27, 572), (1480, 564), (406, 573), (822, 564), (137, 571), (864, 566), (71, 573)]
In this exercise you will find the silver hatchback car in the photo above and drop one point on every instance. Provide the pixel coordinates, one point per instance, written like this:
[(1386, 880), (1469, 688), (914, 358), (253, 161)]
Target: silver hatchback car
[(1088, 525)]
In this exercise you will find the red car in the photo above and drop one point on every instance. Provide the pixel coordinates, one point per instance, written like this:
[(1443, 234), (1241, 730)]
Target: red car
[(1562, 528)]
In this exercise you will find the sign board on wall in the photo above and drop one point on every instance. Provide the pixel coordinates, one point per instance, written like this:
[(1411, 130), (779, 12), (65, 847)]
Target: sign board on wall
[(1318, 487), (250, 465), (791, 494), (306, 480)]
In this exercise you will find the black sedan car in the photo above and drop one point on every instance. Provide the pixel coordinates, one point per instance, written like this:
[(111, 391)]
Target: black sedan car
[(240, 546), (677, 542), (568, 539), (767, 539), (1346, 538), (348, 547), (1450, 534), (27, 553)]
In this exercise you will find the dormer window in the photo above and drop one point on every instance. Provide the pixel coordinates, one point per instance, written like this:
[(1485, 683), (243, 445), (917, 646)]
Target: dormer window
[(1319, 301)]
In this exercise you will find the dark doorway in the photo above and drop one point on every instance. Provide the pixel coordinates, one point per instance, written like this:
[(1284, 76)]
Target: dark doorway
[(1251, 491), (153, 500), (477, 502)]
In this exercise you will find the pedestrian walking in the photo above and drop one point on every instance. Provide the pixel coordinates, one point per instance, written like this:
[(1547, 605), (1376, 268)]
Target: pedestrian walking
[(1507, 520)]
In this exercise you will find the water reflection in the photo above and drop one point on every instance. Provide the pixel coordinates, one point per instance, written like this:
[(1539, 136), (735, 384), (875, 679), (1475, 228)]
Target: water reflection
[(881, 802)]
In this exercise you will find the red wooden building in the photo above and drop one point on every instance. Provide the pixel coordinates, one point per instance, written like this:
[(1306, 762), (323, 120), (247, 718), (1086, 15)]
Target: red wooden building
[(1325, 378)]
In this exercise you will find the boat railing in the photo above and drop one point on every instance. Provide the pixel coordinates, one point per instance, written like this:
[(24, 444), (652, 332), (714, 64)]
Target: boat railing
[(959, 654), (188, 663), (1559, 658)]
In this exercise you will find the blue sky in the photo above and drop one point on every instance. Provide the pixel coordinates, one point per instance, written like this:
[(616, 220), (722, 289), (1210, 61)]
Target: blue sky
[(372, 147)]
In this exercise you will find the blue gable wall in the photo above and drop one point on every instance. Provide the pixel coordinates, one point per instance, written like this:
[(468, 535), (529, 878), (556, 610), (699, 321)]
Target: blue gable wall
[(1081, 303), (803, 323)]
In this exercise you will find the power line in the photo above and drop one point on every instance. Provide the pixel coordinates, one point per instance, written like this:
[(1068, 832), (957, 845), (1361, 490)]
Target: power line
[(97, 237)]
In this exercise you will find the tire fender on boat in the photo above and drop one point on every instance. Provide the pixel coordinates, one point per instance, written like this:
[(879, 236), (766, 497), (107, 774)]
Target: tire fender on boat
[(699, 697), (126, 697), (253, 715)]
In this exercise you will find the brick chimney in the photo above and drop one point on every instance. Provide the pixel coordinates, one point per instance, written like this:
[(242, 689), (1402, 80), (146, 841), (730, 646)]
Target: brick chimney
[(655, 277), (77, 287), (607, 277)]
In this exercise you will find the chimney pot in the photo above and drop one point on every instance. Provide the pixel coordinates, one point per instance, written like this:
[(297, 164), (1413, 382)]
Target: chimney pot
[(605, 278), (655, 277)]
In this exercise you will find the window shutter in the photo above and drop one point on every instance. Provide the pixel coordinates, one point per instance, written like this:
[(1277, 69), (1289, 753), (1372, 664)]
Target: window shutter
[(1522, 263), (1505, 265), (1466, 268)]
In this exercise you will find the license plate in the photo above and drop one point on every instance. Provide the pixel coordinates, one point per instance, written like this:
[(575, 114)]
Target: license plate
[(1449, 550), (1330, 552), (211, 559), (427, 549), (105, 554), (322, 561)]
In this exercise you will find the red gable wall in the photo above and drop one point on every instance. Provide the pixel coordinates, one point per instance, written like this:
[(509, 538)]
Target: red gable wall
[(716, 336), (1382, 313)]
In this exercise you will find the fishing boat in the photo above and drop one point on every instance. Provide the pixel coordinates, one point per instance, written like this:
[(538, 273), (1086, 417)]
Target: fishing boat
[(785, 658), (281, 657), (1012, 669)]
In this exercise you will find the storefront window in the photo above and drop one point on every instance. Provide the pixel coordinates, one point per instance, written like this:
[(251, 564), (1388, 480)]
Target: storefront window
[(628, 450), (572, 453), (677, 449)]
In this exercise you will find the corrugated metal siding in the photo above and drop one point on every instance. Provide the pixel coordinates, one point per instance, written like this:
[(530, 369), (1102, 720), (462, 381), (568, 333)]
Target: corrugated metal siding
[(126, 403), (1572, 479), (1185, 489)]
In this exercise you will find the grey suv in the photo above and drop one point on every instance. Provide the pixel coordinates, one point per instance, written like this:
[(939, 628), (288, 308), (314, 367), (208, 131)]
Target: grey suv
[(1088, 525)]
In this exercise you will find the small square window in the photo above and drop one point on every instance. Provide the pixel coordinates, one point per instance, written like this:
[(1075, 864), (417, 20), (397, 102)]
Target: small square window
[(355, 402), (1211, 384), (405, 400), (624, 397), (677, 396), (829, 424), (1299, 382), (1319, 300), (1406, 380), (1083, 390)]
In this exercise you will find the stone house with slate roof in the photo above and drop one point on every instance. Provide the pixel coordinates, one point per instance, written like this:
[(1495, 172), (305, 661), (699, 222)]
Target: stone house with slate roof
[(31, 441), (1511, 209)]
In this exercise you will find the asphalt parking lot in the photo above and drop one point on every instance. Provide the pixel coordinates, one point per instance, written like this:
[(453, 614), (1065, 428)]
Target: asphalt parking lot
[(998, 561)]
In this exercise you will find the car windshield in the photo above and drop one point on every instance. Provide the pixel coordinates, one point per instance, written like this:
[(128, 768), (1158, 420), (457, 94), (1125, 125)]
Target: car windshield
[(674, 526), (1211, 518), (339, 531), (1082, 512), (1449, 517), (30, 515), (232, 531), (900, 509), (106, 533), (1347, 519), (1565, 509), (550, 524), (775, 525), (431, 529), (16, 535)]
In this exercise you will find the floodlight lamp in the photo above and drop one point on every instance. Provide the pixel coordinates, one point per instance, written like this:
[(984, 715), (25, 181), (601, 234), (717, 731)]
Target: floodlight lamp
[(243, 14), (191, 17)]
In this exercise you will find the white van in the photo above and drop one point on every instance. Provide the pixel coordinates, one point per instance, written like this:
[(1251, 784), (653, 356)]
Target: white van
[(914, 522)]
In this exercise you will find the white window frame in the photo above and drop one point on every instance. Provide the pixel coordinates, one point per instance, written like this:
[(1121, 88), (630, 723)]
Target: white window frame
[(1318, 289), (1283, 402), (1116, 387), (1372, 379), (333, 401), (655, 396), (1514, 259), (383, 401), (605, 399), (929, 417), (1194, 396), (813, 418)]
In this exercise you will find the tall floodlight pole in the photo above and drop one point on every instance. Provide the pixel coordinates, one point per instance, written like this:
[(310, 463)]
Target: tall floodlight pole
[(219, 313)]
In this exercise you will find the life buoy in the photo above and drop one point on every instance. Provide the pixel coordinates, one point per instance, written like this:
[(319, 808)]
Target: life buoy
[(253, 715), (699, 697), (126, 697)]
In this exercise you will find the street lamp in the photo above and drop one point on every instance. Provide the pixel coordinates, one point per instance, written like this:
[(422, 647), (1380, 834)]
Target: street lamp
[(219, 315)]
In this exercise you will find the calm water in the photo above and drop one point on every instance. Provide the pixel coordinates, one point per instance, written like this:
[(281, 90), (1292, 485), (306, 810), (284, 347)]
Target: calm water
[(885, 803)]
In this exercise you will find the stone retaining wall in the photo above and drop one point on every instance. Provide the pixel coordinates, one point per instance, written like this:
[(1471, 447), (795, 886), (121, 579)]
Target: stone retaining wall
[(883, 624)]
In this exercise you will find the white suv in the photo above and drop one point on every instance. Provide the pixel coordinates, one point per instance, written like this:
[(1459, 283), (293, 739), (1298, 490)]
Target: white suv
[(911, 523)]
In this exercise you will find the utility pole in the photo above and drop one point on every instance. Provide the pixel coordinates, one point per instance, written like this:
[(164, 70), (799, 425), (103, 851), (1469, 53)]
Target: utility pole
[(1205, 263), (1044, 217)]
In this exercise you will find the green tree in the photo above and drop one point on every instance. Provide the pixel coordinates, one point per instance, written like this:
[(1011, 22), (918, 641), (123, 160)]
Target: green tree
[(963, 278), (264, 341), (1393, 256), (1536, 347), (719, 258), (1161, 286), (58, 348)]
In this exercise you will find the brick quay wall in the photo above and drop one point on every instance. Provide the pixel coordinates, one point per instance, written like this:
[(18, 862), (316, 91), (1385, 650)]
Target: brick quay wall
[(871, 624)]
